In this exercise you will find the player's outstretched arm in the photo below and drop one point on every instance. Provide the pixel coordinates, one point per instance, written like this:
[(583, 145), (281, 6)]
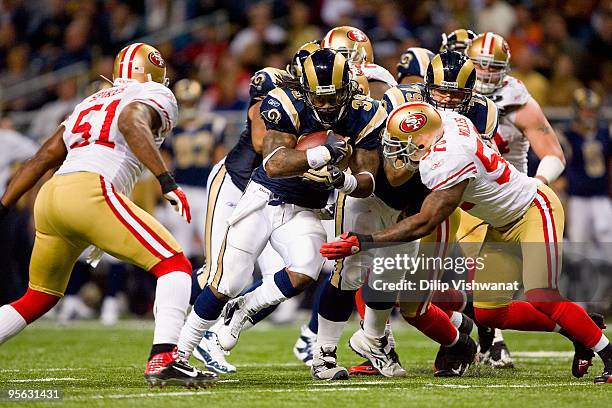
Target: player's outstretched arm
[(544, 142), (50, 155), (436, 207), (282, 160), (137, 122)]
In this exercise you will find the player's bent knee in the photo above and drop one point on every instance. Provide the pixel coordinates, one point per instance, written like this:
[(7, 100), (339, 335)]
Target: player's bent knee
[(299, 281), (34, 304), (410, 310), (176, 263)]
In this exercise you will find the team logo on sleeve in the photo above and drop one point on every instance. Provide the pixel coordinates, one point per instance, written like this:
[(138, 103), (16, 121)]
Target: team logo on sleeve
[(156, 59), (272, 115), (413, 122), (357, 35)]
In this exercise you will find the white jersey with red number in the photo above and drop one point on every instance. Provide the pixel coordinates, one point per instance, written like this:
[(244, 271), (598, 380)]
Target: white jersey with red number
[(511, 142), (93, 139), (377, 73), (497, 192)]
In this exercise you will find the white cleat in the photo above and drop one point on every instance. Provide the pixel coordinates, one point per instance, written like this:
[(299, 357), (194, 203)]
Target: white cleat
[(304, 345), (324, 366), (210, 353), (378, 351), (234, 319)]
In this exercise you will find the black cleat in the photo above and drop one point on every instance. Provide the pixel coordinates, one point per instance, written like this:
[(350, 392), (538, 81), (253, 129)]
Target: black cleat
[(454, 361), (583, 356), (466, 325), (167, 369)]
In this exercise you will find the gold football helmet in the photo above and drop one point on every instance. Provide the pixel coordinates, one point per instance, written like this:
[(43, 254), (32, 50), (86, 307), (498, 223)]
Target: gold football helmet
[(187, 91), (295, 66), (140, 62), (491, 56), (351, 42), (457, 40), (409, 132)]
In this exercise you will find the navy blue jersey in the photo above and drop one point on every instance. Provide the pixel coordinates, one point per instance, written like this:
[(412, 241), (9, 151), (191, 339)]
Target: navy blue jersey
[(243, 159), (587, 167), (285, 110), (192, 147)]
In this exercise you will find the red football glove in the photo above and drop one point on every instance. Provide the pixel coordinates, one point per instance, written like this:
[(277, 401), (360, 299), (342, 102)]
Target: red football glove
[(347, 244), (175, 195)]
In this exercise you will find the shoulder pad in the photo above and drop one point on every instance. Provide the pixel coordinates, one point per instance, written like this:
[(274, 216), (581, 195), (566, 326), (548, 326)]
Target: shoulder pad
[(264, 80), (512, 93), (279, 110)]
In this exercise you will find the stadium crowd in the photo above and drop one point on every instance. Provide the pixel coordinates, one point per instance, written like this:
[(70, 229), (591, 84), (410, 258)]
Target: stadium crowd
[(557, 46)]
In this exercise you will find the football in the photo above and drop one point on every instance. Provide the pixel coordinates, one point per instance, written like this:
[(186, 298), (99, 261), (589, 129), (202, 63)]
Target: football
[(314, 139)]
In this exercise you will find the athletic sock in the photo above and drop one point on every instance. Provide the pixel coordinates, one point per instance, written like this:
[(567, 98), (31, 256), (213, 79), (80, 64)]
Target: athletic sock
[(360, 303), (436, 325), (517, 315), (11, 322), (171, 303), (335, 308), (313, 324), (572, 318), (270, 292), (456, 318), (375, 321), (206, 311)]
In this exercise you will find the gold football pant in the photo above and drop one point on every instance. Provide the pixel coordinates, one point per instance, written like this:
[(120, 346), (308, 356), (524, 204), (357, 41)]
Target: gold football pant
[(537, 237), (76, 210)]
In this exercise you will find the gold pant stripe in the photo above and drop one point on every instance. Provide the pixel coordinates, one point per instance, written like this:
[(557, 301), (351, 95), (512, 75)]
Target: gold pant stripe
[(213, 195), (219, 273), (339, 218)]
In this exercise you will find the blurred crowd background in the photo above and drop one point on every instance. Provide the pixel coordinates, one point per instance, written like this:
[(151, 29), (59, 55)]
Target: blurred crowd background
[(52, 53)]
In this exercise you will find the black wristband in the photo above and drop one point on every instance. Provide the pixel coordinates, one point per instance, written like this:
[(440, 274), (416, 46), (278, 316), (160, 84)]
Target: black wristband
[(3, 211), (167, 183)]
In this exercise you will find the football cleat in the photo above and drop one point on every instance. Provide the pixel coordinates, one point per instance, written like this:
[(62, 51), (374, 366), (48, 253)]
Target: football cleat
[(606, 356), (492, 349), (304, 345), (210, 353), (454, 361), (378, 352), (583, 356), (234, 318), (324, 366), (168, 369)]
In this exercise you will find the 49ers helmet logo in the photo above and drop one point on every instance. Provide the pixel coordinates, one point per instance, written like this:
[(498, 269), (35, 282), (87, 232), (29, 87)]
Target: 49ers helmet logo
[(357, 35), (413, 123), (156, 59)]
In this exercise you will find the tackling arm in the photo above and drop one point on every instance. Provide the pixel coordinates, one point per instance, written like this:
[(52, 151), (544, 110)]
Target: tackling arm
[(534, 125), (49, 156), (438, 206)]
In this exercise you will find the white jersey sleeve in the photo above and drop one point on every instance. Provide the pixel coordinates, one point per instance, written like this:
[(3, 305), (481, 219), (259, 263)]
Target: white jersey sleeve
[(510, 140), (92, 135), (377, 73), (443, 169)]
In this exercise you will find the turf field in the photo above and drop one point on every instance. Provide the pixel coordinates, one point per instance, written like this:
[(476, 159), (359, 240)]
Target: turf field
[(98, 366)]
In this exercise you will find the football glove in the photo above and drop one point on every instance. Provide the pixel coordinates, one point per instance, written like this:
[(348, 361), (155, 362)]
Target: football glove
[(338, 149), (175, 195), (347, 244), (329, 175)]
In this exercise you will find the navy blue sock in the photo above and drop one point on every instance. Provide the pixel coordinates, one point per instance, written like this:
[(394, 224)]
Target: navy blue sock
[(207, 306), (313, 324), (254, 286), (335, 304), (196, 289), (263, 313)]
